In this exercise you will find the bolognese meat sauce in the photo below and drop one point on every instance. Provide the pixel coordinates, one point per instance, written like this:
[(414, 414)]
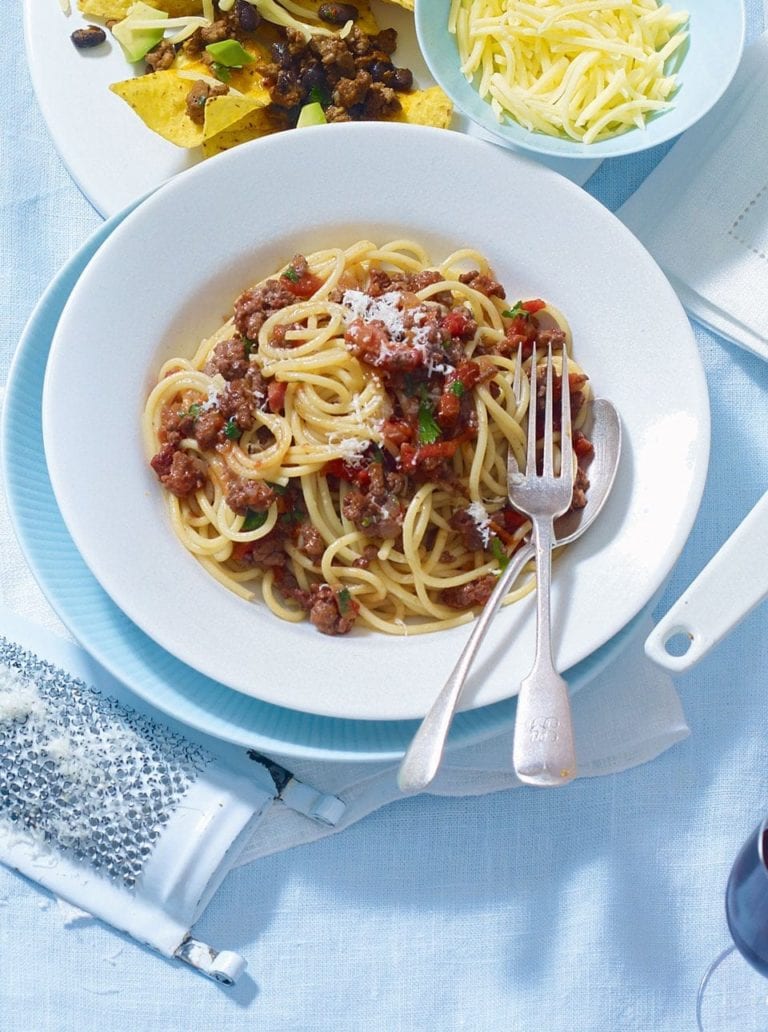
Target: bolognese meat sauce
[(419, 349)]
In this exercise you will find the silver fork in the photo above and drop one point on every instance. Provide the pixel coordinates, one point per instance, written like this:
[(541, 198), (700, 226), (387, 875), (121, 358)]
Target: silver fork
[(542, 750)]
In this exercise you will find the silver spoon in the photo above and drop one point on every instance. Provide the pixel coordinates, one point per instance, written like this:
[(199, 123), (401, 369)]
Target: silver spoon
[(422, 760)]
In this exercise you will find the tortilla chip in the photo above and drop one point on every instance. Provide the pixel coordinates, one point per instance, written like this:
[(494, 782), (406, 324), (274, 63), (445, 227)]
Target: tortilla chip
[(160, 101), (224, 112), (425, 107), (252, 127), (118, 9), (422, 107)]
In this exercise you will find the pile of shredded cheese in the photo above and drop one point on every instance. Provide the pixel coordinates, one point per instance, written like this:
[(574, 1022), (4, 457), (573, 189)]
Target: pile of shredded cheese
[(588, 69)]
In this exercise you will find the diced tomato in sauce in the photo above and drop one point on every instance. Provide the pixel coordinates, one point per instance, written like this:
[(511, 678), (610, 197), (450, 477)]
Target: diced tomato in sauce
[(276, 395), (344, 471), (430, 455), (396, 432), (513, 519), (456, 322), (305, 286), (241, 550)]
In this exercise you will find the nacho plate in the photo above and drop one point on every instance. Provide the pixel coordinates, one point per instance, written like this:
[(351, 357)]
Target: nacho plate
[(108, 150), (193, 100)]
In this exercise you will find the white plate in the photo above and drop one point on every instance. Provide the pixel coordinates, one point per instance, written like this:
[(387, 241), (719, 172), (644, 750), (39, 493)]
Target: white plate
[(168, 275), (109, 152), (126, 652)]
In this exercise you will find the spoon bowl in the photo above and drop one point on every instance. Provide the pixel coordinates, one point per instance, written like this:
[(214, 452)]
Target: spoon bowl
[(422, 760)]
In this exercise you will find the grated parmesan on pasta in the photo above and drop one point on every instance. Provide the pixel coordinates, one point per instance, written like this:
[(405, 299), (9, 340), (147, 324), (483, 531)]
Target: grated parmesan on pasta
[(587, 70)]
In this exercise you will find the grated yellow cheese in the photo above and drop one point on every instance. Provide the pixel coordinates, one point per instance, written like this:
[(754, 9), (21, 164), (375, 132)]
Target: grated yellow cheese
[(586, 69)]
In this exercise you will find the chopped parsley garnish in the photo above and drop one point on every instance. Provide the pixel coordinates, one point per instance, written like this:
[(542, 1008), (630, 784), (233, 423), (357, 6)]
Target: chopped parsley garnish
[(232, 430), (343, 599), (295, 516), (499, 554), (319, 96), (249, 346), (194, 410), (291, 274), (516, 311), (254, 518), (279, 489), (429, 429), (221, 72), (458, 388)]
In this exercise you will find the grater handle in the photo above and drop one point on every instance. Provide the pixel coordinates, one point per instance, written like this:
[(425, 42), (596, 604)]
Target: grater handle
[(224, 967)]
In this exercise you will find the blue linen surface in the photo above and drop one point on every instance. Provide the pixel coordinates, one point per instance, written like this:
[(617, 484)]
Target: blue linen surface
[(594, 909)]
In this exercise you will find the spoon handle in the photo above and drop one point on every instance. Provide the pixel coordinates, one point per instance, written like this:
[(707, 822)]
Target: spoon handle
[(421, 761)]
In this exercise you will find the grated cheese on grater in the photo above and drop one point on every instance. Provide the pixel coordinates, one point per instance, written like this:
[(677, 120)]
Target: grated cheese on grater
[(66, 747)]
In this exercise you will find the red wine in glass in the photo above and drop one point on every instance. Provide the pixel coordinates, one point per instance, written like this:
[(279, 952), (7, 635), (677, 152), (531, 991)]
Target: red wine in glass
[(746, 900), (746, 911)]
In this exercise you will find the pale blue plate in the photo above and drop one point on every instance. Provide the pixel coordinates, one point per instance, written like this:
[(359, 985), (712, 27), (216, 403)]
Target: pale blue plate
[(125, 651), (708, 65)]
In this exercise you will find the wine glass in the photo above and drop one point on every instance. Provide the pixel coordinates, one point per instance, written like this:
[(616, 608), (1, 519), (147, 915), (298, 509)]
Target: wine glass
[(734, 994)]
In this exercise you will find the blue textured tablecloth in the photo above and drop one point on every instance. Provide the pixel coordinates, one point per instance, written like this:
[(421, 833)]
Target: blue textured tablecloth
[(593, 909)]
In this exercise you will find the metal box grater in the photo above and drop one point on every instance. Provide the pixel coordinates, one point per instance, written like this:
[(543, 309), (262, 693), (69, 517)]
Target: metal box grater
[(134, 820)]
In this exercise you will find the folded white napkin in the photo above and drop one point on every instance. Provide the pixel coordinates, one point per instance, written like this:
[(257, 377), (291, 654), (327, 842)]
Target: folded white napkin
[(629, 714), (703, 211)]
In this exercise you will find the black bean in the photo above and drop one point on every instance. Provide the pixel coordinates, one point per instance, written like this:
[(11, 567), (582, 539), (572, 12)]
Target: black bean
[(338, 14), (248, 17), (401, 79), (313, 78), (281, 54), (379, 70), (88, 37)]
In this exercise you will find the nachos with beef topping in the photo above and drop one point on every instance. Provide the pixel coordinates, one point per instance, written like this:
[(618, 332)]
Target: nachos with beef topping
[(216, 73)]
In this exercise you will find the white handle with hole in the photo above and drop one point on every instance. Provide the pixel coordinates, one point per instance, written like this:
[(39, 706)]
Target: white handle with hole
[(733, 582)]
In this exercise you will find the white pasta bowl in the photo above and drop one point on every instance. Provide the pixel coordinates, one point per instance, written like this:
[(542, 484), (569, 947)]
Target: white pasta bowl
[(167, 277), (705, 66)]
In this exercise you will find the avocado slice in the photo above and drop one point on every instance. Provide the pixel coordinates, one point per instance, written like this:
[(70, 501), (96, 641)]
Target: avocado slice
[(311, 114), (137, 42)]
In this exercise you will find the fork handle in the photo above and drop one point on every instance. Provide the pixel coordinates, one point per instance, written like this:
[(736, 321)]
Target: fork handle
[(422, 760), (543, 747), (543, 750)]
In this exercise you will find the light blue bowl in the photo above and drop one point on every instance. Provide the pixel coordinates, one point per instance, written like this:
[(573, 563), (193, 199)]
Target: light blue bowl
[(710, 61)]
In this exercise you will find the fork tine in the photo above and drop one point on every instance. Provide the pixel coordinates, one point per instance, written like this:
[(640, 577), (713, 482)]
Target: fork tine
[(517, 382), (548, 460), (566, 435), (530, 464)]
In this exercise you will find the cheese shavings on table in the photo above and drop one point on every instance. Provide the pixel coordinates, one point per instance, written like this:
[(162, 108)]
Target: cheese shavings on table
[(587, 70)]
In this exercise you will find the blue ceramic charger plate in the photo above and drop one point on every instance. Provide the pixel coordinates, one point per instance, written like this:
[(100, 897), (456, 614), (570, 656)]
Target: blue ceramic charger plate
[(131, 656)]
